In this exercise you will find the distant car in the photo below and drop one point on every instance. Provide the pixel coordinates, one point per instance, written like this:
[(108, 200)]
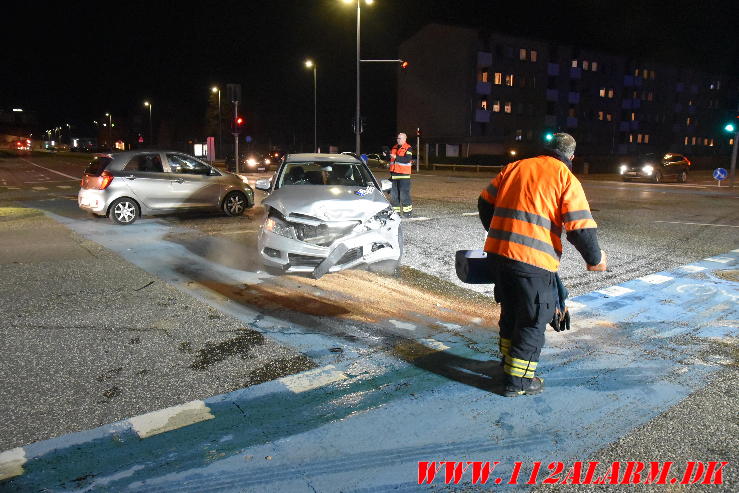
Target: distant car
[(126, 185), (256, 162), (325, 213), (377, 161), (656, 167)]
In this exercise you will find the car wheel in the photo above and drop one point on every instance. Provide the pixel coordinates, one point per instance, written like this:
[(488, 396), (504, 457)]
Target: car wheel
[(124, 211), (682, 177), (657, 177), (235, 204)]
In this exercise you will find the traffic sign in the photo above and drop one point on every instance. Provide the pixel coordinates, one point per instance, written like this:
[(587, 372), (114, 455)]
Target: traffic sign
[(720, 174)]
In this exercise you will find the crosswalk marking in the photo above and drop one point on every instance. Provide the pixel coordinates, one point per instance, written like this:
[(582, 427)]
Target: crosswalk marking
[(312, 379), (655, 279), (39, 188), (171, 418), (11, 463), (615, 291)]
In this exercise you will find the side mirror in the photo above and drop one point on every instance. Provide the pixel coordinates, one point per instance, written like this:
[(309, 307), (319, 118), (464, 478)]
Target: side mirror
[(386, 185), (263, 184)]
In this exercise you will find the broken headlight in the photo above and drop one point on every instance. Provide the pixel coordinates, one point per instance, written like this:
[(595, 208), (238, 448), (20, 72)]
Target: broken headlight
[(279, 227), (378, 220)]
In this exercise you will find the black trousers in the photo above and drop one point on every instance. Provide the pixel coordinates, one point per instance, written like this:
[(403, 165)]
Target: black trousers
[(400, 194), (526, 307)]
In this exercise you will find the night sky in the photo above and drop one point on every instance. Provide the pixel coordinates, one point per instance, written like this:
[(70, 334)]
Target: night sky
[(73, 61)]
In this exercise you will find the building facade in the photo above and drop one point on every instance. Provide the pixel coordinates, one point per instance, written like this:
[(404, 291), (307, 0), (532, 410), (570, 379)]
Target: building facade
[(475, 92)]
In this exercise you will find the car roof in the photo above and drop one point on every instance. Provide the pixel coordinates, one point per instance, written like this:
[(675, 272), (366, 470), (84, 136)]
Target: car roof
[(343, 158)]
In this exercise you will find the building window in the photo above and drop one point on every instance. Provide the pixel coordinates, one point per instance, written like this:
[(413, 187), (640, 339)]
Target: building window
[(519, 135), (496, 106), (585, 65), (600, 115), (484, 76), (498, 78), (636, 72), (650, 96), (572, 112), (508, 107), (533, 55), (532, 82), (594, 66), (611, 93), (646, 138), (689, 120), (693, 140), (609, 117), (508, 80), (685, 142), (638, 138), (645, 74), (602, 92), (652, 74), (631, 138), (574, 64), (705, 141), (711, 143), (522, 54), (550, 108), (522, 81), (731, 142), (633, 116), (484, 103)]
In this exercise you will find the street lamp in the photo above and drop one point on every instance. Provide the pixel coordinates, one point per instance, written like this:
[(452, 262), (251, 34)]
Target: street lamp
[(214, 90), (151, 127), (358, 125), (70, 134), (110, 130), (732, 128), (311, 64)]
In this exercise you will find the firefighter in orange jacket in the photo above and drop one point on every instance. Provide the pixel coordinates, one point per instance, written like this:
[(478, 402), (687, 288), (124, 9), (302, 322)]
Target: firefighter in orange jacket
[(524, 210), (401, 161)]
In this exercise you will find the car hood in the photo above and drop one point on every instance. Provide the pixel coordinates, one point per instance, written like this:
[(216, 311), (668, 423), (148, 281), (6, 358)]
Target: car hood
[(328, 202)]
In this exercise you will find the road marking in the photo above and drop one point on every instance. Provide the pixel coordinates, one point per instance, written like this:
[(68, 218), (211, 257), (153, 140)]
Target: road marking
[(470, 213), (721, 260), (63, 186), (51, 170), (402, 325), (574, 306), (614, 291), (434, 344), (171, 418), (692, 268), (11, 463), (312, 379), (413, 219), (699, 224), (655, 279), (39, 188), (235, 232)]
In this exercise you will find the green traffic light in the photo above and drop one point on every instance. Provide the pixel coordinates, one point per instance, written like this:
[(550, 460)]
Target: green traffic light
[(549, 137), (729, 127)]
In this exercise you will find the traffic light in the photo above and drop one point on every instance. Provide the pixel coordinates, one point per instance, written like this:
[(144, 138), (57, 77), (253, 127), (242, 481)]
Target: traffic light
[(404, 64), (548, 136), (237, 124), (730, 127)]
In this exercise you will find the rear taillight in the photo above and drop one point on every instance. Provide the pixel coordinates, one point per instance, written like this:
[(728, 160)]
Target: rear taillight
[(96, 182), (105, 179)]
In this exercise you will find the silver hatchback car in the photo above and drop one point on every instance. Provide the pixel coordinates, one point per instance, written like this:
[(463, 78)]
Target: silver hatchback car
[(126, 185)]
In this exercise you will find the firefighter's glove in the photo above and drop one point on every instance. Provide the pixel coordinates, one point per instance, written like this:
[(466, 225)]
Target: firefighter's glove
[(561, 320)]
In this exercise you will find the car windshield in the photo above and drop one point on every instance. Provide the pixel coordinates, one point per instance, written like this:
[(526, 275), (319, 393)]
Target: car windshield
[(325, 173)]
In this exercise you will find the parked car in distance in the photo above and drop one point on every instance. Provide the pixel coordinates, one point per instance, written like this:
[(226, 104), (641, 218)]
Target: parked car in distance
[(325, 213), (656, 167), (126, 185), (255, 162)]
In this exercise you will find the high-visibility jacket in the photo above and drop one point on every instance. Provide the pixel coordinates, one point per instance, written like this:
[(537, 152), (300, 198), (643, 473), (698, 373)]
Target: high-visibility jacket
[(533, 200), (401, 158)]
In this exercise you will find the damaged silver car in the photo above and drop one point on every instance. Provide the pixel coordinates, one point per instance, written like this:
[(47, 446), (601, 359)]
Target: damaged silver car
[(326, 213)]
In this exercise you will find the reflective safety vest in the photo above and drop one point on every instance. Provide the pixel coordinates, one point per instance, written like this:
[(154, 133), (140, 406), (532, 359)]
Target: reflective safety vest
[(400, 159), (534, 199)]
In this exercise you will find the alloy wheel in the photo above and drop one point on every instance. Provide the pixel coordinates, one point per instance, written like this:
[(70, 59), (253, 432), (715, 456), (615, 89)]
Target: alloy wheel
[(235, 204), (125, 212)]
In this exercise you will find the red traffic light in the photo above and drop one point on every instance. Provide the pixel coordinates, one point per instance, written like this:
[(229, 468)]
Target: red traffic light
[(404, 64), (239, 121)]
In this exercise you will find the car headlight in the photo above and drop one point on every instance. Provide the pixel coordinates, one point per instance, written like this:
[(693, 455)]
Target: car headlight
[(251, 161), (622, 169), (279, 227), (267, 161), (378, 220), (648, 169)]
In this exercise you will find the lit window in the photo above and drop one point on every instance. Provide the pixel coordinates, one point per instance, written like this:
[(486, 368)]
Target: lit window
[(533, 55), (712, 86), (594, 66), (685, 142), (705, 141), (638, 138), (600, 115), (631, 138), (636, 72), (602, 92), (693, 140), (574, 64), (484, 104), (712, 143), (611, 93), (508, 106), (645, 74), (519, 135), (585, 65), (688, 120), (522, 54), (496, 106), (484, 76), (498, 78), (652, 74), (609, 117), (509, 80), (690, 102), (731, 142), (633, 116), (646, 138)]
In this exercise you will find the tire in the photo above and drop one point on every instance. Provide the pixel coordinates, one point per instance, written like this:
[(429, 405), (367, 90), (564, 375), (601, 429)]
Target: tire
[(235, 203), (124, 211), (682, 177), (657, 177)]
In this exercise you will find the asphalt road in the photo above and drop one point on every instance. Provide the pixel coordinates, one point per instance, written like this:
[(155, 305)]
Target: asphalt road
[(91, 334)]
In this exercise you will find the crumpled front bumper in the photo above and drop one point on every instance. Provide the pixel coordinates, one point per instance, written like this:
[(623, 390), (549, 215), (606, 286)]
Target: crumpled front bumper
[(294, 256)]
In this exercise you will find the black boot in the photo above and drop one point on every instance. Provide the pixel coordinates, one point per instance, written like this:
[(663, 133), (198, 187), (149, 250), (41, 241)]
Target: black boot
[(535, 386)]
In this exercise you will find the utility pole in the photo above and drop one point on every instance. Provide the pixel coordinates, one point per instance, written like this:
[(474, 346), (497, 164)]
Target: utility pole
[(236, 135)]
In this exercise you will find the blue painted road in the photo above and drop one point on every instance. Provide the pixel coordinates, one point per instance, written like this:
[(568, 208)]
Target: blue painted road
[(362, 422)]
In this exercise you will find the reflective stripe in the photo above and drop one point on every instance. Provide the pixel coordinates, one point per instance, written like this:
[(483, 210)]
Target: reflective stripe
[(398, 177), (576, 215), (529, 217), (515, 372), (542, 246), (521, 363), (504, 342), (407, 208), (492, 190), (397, 209)]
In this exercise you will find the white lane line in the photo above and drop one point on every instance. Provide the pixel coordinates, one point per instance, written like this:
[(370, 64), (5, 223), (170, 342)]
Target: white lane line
[(434, 344), (11, 463), (171, 418), (413, 219), (402, 325), (692, 268), (39, 188), (312, 379), (235, 232), (470, 213), (63, 186), (699, 224), (655, 279), (614, 291), (51, 170), (721, 260)]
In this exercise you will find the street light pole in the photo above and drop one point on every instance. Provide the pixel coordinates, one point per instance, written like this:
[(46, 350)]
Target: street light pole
[(110, 130), (309, 64), (220, 132), (358, 122), (151, 127)]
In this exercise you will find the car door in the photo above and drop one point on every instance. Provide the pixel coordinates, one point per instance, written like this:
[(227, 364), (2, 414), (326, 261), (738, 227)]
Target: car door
[(192, 182), (145, 176)]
